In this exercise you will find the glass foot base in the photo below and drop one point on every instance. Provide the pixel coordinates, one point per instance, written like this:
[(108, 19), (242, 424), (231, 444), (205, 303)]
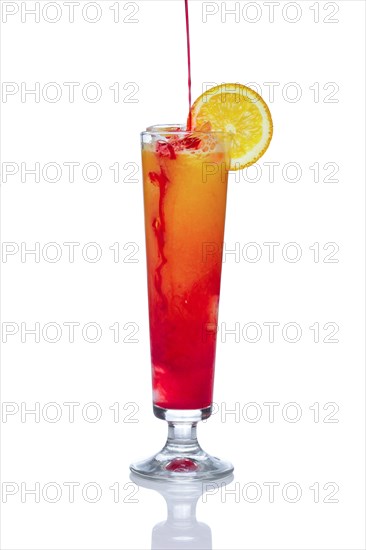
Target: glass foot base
[(186, 467), (182, 457)]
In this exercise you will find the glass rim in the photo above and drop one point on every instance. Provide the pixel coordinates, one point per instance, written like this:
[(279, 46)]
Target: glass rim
[(177, 129)]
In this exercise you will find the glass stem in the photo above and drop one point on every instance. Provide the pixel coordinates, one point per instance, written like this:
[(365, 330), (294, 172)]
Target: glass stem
[(182, 437)]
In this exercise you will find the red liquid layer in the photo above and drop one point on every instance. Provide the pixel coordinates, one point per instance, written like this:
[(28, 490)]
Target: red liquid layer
[(184, 220)]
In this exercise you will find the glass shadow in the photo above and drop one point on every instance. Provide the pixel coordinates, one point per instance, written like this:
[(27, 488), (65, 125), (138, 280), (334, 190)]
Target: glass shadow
[(180, 530)]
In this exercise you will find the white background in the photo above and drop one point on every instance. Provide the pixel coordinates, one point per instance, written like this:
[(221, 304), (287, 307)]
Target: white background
[(319, 118)]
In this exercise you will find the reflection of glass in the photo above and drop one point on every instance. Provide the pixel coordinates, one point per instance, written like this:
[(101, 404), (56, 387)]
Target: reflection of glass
[(185, 182), (181, 530)]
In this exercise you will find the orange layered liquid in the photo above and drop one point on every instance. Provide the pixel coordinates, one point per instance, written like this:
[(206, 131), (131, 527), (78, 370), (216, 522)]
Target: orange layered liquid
[(185, 203)]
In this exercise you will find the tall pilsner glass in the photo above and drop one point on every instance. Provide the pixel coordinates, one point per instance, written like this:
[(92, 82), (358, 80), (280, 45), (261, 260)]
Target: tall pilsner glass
[(185, 183)]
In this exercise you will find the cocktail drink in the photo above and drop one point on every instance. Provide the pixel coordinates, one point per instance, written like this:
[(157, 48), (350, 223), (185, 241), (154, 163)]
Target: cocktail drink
[(185, 183), (185, 175)]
